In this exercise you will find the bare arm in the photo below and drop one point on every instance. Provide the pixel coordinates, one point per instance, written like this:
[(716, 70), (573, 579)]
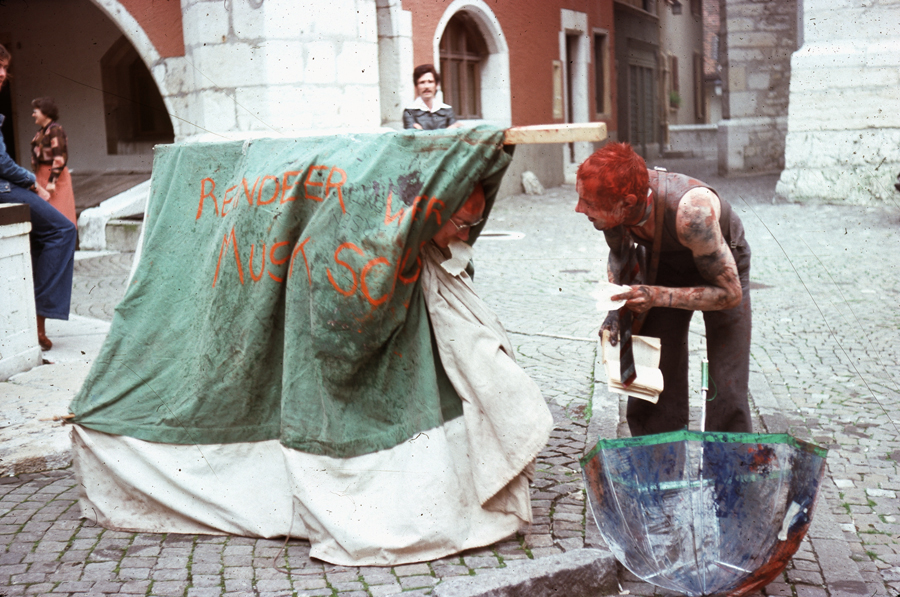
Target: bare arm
[(697, 226)]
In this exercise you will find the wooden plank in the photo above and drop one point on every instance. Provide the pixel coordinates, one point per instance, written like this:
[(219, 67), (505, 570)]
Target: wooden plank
[(555, 133)]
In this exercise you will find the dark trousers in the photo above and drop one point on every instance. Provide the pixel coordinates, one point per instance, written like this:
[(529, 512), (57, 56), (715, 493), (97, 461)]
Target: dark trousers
[(728, 351), (53, 239)]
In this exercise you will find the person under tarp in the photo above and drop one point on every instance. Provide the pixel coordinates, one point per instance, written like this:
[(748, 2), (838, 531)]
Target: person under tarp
[(297, 356)]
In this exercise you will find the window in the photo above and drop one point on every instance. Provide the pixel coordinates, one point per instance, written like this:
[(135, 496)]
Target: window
[(699, 94), (136, 117), (697, 8), (462, 51), (601, 74), (674, 90), (558, 90)]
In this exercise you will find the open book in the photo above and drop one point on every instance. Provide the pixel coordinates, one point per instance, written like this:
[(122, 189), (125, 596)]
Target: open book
[(649, 381)]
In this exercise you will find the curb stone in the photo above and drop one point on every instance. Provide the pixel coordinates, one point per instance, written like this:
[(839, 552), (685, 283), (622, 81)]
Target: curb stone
[(576, 573)]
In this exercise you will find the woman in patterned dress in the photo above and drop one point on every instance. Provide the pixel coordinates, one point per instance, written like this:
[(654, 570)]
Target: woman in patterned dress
[(49, 155)]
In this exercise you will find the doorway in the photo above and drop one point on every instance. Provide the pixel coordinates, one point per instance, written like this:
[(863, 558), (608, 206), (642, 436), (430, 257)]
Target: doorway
[(639, 119), (571, 69)]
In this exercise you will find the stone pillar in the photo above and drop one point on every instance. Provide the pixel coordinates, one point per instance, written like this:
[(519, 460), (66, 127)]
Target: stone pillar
[(395, 61), (843, 141), (275, 67), (757, 39), (19, 349)]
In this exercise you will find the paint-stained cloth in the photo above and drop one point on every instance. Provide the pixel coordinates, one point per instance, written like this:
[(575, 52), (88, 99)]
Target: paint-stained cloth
[(292, 359), (278, 294)]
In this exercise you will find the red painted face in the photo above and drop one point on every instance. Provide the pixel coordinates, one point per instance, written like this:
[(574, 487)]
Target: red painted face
[(459, 225), (601, 214)]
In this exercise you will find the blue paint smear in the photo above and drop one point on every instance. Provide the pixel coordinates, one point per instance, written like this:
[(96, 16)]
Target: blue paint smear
[(701, 514)]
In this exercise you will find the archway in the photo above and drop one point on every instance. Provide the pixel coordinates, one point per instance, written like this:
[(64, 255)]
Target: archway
[(66, 65), (136, 117), (492, 71)]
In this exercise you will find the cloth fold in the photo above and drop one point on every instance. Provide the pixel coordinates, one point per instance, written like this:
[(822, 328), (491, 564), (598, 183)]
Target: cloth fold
[(507, 420)]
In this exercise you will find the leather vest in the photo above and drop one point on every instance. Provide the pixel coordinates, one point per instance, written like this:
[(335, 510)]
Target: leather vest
[(676, 260)]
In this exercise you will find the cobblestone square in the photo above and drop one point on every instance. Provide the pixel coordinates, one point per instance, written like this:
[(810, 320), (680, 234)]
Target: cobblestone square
[(825, 342)]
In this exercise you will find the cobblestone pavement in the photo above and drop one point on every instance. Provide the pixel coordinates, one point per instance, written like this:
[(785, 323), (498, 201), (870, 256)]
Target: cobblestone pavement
[(99, 283), (825, 336)]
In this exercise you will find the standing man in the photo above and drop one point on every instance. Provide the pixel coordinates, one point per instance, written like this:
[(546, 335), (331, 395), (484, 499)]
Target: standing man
[(427, 113), (681, 248), (53, 236)]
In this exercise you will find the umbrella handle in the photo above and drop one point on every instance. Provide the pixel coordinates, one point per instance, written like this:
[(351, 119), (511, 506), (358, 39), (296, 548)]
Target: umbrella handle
[(704, 390)]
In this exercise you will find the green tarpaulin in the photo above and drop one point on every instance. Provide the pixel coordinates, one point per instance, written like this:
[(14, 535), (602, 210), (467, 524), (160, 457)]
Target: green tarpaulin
[(277, 296)]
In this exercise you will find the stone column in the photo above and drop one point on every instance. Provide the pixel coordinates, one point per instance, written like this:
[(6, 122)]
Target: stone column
[(276, 67), (395, 61), (757, 39), (843, 141)]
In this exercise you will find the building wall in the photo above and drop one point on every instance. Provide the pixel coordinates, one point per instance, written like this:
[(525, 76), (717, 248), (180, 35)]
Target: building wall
[(241, 69), (525, 38), (161, 21), (57, 46), (682, 36), (274, 68), (531, 30), (843, 139), (758, 42)]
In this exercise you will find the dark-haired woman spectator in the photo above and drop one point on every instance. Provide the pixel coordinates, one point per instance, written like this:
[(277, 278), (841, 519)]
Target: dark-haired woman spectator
[(427, 113), (53, 237), (49, 156)]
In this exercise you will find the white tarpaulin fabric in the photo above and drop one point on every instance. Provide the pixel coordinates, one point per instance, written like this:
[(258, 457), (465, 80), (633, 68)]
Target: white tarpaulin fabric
[(507, 420), (462, 485)]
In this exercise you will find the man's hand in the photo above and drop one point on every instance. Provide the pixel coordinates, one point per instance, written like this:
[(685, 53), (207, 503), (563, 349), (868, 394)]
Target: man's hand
[(51, 186), (417, 126), (611, 323), (639, 299)]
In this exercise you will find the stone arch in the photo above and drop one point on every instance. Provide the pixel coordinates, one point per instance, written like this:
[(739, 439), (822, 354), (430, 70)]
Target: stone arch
[(134, 33), (496, 98)]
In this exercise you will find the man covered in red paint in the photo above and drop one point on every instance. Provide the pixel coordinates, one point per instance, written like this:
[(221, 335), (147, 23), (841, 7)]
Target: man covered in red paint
[(681, 248)]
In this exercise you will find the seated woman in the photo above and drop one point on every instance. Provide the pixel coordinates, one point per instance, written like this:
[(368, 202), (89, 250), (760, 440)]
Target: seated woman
[(426, 113), (49, 155)]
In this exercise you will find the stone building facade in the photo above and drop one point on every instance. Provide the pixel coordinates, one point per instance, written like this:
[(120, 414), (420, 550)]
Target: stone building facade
[(525, 62), (757, 39), (843, 137), (129, 74)]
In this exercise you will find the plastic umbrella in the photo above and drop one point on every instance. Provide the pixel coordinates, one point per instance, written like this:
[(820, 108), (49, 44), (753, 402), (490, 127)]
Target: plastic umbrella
[(704, 513)]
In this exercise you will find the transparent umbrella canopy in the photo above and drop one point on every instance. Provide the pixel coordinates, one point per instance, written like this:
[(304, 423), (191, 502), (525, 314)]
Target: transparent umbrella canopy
[(704, 513)]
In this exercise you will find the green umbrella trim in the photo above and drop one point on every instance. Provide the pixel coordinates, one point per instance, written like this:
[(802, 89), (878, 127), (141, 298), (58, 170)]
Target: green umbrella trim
[(705, 436)]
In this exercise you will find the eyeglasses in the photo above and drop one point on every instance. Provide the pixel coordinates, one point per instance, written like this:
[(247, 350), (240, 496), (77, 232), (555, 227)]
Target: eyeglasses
[(461, 227)]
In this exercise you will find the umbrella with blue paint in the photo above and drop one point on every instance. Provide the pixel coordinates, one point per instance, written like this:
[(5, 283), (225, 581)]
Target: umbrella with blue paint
[(704, 513)]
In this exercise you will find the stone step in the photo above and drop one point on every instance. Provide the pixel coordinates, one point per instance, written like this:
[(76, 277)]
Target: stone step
[(123, 234)]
